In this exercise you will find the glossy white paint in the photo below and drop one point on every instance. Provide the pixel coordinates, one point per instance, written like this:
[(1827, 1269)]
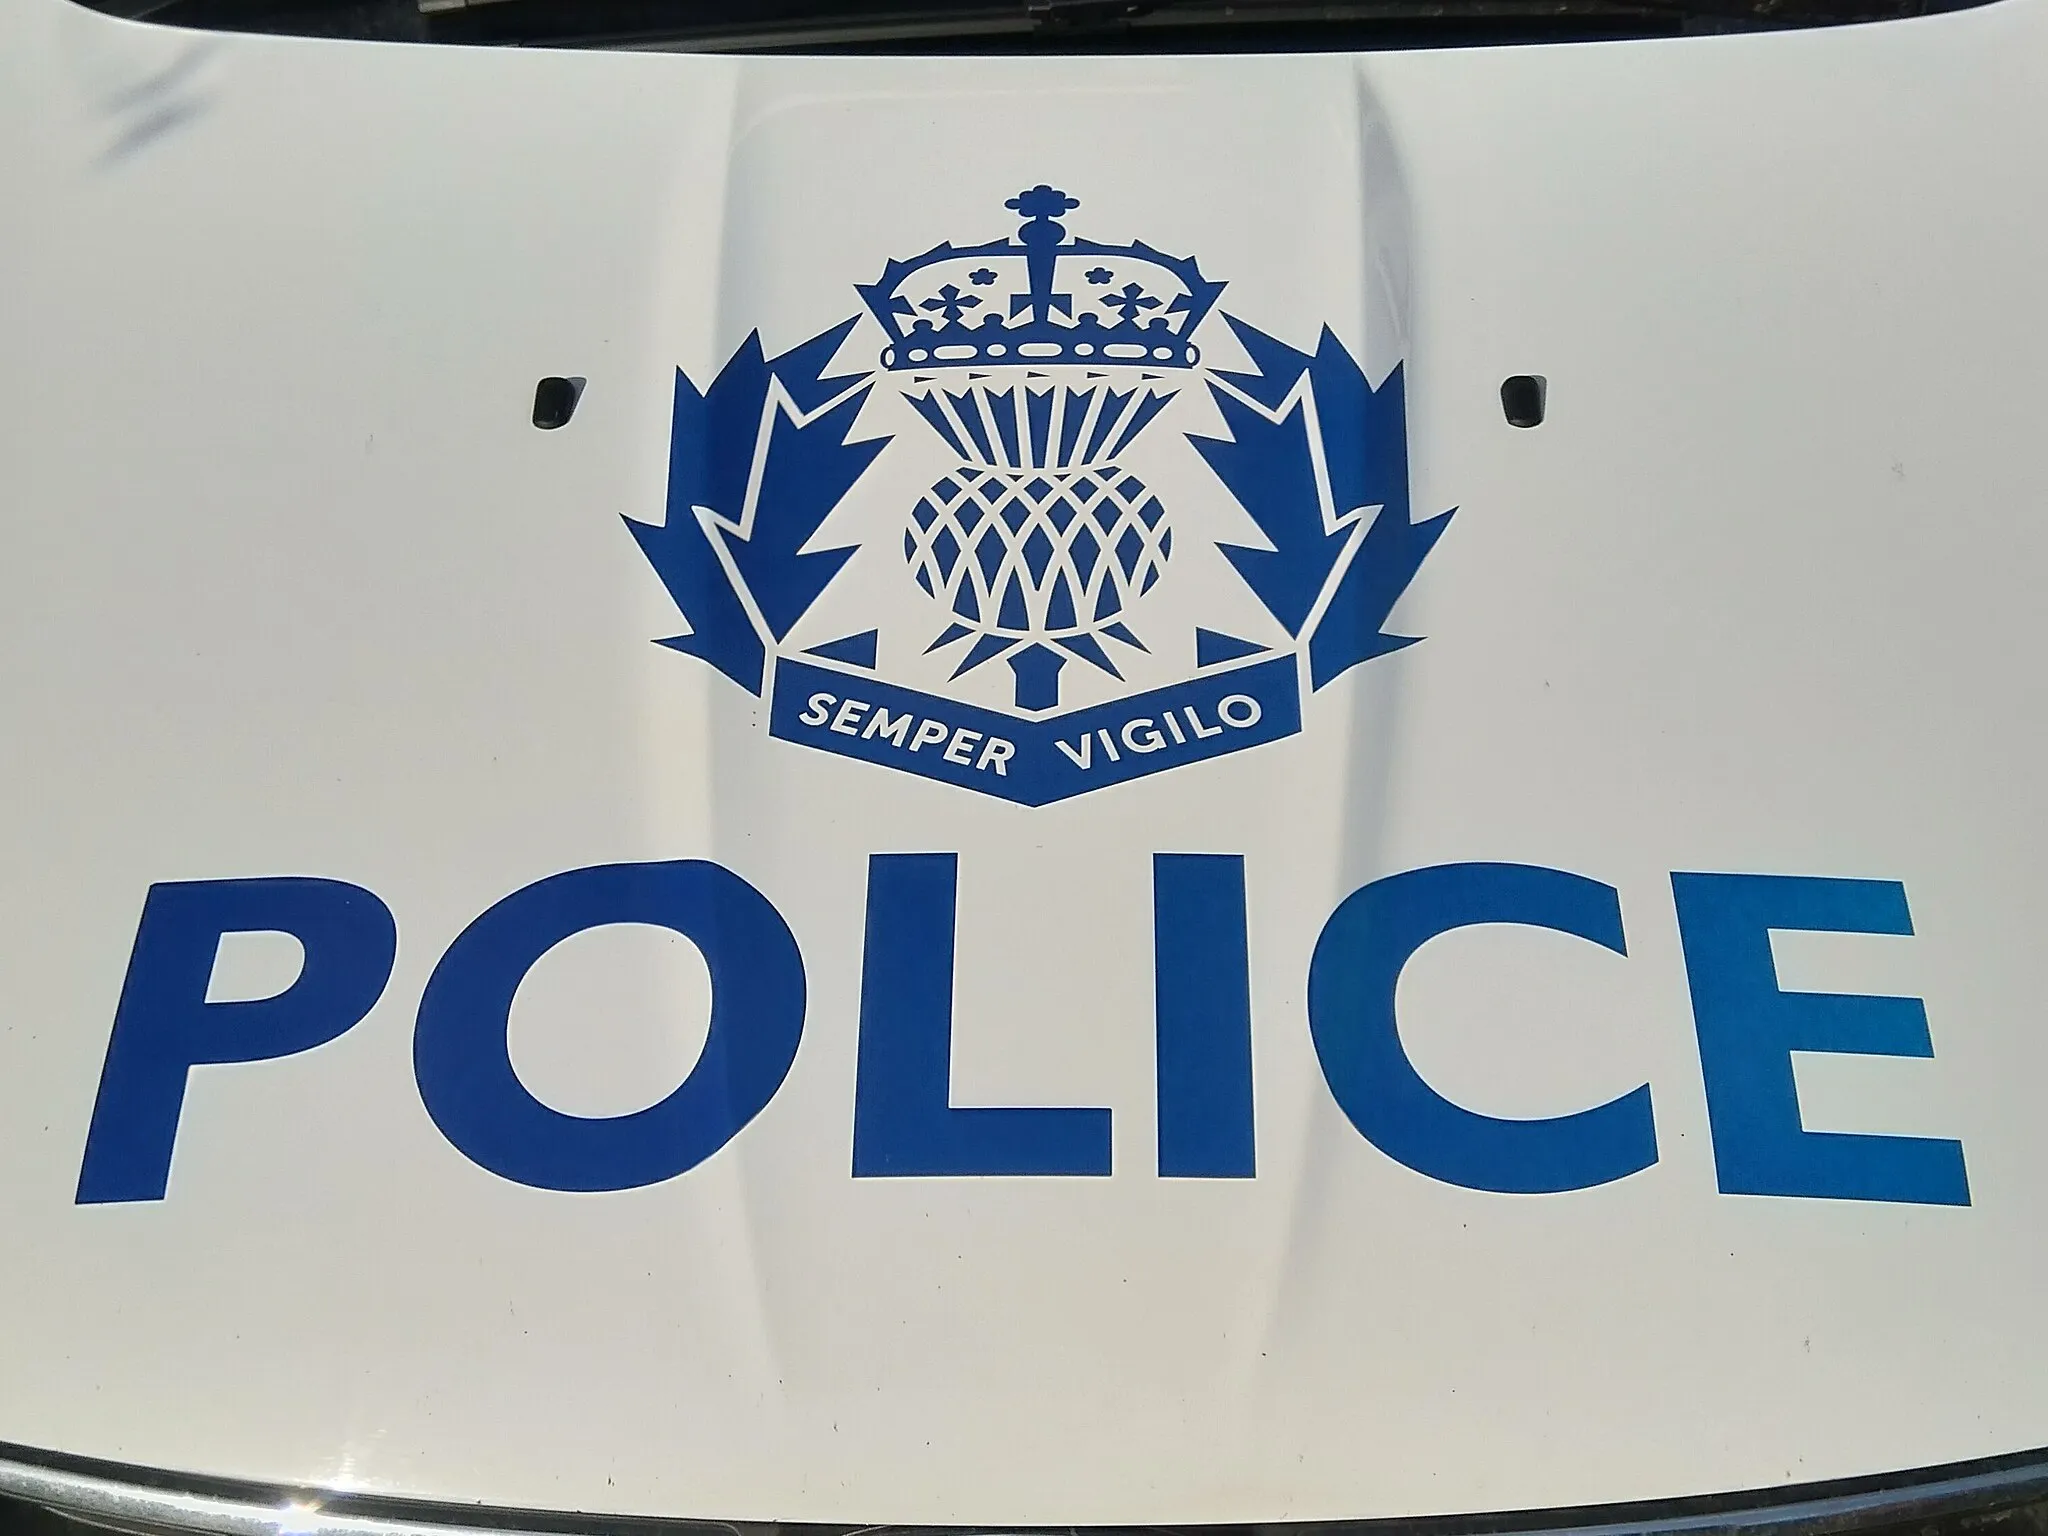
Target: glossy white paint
[(288, 585)]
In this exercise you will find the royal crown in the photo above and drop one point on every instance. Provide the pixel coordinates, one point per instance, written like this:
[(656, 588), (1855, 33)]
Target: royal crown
[(1040, 299)]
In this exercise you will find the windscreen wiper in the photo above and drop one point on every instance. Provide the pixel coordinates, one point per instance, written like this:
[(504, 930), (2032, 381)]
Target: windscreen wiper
[(927, 26)]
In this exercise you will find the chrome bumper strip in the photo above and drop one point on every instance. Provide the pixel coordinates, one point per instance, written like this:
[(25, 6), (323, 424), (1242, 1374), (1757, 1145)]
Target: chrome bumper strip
[(144, 1501)]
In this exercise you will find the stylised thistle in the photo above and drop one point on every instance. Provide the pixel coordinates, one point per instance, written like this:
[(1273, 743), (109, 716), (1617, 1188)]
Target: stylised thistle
[(1039, 360)]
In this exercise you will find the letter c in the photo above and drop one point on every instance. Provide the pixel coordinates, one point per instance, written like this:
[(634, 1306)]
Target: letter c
[(464, 1068), (1351, 981)]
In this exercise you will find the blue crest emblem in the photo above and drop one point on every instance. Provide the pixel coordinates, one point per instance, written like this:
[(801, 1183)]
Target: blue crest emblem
[(1030, 634)]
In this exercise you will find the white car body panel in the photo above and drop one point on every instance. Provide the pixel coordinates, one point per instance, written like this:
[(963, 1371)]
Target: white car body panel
[(289, 585)]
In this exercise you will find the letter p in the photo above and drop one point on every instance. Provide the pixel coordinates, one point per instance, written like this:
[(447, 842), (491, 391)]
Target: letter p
[(164, 1025)]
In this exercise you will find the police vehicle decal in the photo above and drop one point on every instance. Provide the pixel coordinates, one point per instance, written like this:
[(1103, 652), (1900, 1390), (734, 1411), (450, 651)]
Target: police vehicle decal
[(1023, 577)]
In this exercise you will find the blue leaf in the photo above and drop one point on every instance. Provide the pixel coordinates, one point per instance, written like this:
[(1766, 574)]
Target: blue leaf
[(808, 468), (711, 451), (720, 631), (1279, 365), (1213, 647), (1365, 431), (858, 649), (710, 456), (1351, 629), (1268, 467), (802, 368)]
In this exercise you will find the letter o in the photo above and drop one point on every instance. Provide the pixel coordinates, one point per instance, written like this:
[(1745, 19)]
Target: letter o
[(1247, 711), (464, 1067)]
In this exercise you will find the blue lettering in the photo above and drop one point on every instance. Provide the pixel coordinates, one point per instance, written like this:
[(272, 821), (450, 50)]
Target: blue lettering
[(1203, 990), (1358, 961), (1748, 1029), (465, 1071), (164, 1025), (904, 1123)]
